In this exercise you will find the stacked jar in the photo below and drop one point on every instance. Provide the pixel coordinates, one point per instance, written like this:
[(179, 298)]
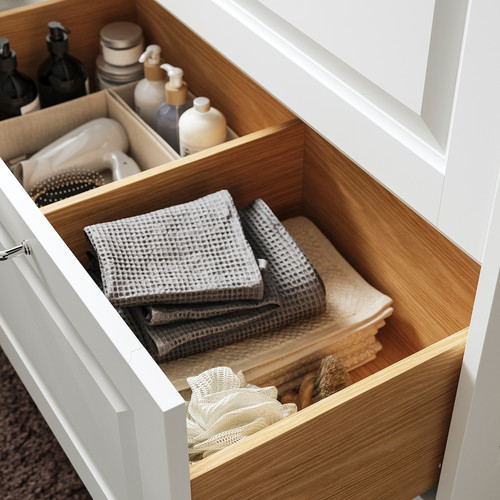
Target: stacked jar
[(122, 43)]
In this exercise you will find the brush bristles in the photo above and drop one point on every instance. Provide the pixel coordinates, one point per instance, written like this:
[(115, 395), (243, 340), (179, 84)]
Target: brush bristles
[(329, 379), (332, 377)]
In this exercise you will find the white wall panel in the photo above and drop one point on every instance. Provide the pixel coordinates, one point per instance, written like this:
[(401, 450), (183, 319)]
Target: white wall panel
[(385, 41)]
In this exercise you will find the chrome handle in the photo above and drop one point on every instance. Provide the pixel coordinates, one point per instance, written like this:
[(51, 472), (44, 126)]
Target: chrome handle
[(22, 249)]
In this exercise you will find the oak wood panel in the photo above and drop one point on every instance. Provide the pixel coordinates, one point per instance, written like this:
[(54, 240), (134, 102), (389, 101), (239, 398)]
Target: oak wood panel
[(383, 437), (431, 281), (265, 164), (246, 105), (26, 28)]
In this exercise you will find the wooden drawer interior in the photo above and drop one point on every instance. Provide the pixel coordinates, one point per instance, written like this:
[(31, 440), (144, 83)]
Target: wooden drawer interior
[(402, 400)]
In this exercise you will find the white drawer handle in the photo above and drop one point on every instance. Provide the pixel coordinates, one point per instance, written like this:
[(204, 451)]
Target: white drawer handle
[(22, 249)]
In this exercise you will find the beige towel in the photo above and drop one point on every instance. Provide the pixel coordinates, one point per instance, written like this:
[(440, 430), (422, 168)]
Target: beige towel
[(353, 306)]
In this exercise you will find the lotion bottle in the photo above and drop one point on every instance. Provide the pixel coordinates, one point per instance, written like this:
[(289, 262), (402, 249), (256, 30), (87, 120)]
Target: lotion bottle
[(61, 77), (201, 127), (18, 94), (149, 93), (177, 102)]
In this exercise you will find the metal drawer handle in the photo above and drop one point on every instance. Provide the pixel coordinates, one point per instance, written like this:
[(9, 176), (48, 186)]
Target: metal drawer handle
[(22, 249)]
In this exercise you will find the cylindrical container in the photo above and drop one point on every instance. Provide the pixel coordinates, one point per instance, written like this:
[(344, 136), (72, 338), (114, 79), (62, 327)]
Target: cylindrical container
[(201, 127), (108, 76), (122, 43)]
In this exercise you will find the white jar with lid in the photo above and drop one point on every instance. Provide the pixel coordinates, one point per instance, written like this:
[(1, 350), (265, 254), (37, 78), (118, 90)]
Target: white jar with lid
[(201, 127), (122, 43)]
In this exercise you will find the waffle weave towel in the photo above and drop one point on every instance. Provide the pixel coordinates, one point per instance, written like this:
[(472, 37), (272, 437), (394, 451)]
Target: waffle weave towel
[(166, 314), (190, 253), (300, 289)]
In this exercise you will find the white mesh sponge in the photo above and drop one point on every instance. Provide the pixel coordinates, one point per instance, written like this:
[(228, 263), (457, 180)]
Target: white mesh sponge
[(224, 409)]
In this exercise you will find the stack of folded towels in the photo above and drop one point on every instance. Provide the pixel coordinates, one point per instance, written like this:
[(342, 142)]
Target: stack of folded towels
[(201, 275)]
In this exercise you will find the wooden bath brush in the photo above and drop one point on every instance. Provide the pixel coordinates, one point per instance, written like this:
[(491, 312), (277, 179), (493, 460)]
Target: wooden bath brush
[(329, 379)]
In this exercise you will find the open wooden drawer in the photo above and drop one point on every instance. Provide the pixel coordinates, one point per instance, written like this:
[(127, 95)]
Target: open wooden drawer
[(115, 413)]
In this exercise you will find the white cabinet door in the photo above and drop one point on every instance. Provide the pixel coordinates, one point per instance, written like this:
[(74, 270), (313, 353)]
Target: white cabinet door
[(471, 467), (116, 415), (408, 89)]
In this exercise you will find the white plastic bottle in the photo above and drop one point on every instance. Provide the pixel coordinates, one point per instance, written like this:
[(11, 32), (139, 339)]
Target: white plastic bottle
[(176, 103), (201, 127), (149, 93)]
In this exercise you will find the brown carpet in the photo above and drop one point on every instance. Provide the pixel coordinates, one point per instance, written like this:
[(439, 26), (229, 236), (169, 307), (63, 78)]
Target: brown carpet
[(32, 463)]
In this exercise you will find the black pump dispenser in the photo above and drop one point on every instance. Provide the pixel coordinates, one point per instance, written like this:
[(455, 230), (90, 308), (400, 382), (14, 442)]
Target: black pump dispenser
[(18, 94), (61, 77), (57, 39)]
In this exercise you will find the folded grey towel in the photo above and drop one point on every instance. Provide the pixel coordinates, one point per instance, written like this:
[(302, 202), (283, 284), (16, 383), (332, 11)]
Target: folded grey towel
[(298, 285), (190, 253), (164, 314)]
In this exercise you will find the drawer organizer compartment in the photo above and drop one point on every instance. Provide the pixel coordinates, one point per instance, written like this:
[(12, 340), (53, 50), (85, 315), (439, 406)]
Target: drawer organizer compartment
[(23, 136), (381, 437)]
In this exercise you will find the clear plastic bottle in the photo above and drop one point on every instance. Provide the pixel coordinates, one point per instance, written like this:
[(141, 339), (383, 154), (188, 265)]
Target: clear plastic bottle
[(18, 94), (149, 93), (61, 77), (201, 127), (177, 102)]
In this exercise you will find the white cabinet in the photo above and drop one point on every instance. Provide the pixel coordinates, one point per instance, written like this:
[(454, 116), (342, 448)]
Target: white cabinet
[(104, 397), (408, 90), (472, 459)]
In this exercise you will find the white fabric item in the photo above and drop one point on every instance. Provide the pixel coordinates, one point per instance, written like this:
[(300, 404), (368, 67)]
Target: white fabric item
[(224, 409)]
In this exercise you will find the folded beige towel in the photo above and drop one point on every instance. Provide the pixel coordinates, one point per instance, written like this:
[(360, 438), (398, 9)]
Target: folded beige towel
[(353, 306)]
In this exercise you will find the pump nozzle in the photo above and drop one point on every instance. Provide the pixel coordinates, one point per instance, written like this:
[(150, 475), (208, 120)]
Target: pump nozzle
[(175, 75), (151, 55), (57, 31), (4, 48), (8, 60)]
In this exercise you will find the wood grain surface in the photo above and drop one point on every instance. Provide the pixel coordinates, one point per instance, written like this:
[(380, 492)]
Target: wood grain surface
[(265, 164), (431, 281), (380, 438)]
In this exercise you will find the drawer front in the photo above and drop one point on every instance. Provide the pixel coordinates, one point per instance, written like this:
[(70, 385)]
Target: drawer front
[(382, 437), (105, 399)]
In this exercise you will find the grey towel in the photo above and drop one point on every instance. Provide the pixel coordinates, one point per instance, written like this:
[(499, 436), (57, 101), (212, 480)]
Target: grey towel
[(190, 253), (164, 314), (298, 285)]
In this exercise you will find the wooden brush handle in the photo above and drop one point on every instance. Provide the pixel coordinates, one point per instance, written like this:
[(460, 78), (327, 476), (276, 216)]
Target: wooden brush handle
[(289, 396), (306, 390)]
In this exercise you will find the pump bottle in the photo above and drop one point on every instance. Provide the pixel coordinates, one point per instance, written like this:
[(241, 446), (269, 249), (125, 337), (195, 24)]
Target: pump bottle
[(61, 77), (149, 93), (177, 102), (18, 94)]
